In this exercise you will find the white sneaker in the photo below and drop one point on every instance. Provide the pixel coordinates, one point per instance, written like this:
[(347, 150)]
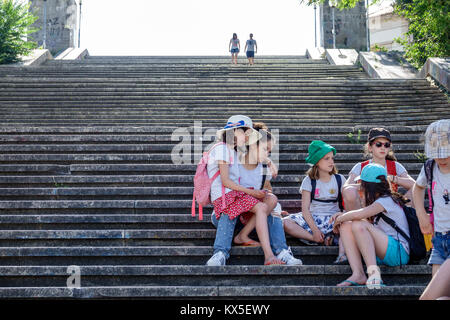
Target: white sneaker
[(218, 259), (287, 256)]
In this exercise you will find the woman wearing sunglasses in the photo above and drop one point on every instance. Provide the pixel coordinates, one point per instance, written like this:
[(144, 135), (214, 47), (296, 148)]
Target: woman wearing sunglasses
[(379, 150)]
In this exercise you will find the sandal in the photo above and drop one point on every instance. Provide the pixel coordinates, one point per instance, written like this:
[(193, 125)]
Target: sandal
[(341, 260), (274, 261), (251, 243), (375, 282), (351, 284)]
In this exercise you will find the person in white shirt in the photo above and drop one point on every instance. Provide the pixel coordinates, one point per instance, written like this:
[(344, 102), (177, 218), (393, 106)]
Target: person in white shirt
[(377, 242), (435, 175)]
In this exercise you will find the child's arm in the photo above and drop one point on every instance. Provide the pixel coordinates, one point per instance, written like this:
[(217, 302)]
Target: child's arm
[(359, 214), (404, 180), (268, 185), (424, 220), (228, 183), (351, 181), (318, 236)]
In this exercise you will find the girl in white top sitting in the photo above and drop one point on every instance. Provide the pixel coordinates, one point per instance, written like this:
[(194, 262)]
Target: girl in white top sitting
[(378, 242), (312, 224), (252, 173), (229, 198)]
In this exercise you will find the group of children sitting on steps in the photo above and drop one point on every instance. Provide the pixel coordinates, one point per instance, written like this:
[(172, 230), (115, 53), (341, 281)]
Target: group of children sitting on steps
[(335, 210)]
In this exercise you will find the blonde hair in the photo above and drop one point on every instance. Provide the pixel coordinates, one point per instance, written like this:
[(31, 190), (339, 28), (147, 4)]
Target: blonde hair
[(313, 172), (367, 154)]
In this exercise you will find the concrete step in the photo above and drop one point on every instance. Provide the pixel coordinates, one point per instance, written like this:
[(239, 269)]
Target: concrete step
[(214, 292), (149, 255), (141, 169), (195, 276), (165, 158), (102, 222)]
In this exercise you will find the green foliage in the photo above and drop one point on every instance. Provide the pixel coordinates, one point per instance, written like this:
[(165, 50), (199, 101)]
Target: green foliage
[(341, 4), (354, 140), (15, 25), (378, 48), (429, 29), (420, 156)]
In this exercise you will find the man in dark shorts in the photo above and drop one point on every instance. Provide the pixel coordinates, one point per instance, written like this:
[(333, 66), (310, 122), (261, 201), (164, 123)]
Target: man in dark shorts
[(251, 48)]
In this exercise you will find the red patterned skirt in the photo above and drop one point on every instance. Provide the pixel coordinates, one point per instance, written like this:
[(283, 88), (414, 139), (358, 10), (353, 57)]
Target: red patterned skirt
[(236, 203)]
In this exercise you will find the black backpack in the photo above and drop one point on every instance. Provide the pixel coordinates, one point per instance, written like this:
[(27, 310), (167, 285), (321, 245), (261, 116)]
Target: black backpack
[(428, 168), (339, 197), (417, 248)]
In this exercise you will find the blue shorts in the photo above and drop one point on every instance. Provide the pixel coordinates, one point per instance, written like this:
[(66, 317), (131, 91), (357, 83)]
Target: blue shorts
[(394, 252), (250, 54), (235, 50), (441, 248)]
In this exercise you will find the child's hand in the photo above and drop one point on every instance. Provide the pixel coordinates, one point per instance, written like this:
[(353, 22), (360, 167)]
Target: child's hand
[(424, 222), (336, 224), (273, 168), (258, 194), (318, 236), (334, 217)]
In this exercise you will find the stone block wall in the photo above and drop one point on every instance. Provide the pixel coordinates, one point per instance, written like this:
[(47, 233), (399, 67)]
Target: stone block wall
[(62, 24)]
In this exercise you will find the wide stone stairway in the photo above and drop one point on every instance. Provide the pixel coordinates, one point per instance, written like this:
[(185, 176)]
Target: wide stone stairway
[(93, 178)]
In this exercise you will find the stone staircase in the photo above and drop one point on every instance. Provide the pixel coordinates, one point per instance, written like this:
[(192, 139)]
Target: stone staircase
[(87, 177)]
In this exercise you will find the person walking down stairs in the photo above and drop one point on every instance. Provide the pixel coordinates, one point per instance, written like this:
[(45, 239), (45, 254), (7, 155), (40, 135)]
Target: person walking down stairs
[(234, 47), (250, 49)]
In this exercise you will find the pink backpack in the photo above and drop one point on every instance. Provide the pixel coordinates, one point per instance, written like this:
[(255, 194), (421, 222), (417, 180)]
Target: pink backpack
[(202, 185)]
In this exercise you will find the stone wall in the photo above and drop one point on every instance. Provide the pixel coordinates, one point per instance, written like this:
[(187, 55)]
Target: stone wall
[(350, 26), (62, 28)]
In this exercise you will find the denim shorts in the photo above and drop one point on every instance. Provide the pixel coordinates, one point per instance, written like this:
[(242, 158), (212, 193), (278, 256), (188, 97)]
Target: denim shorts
[(235, 50), (395, 254), (441, 248), (250, 54)]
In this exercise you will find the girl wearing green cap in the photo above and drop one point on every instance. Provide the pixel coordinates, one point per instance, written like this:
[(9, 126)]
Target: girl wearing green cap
[(312, 224)]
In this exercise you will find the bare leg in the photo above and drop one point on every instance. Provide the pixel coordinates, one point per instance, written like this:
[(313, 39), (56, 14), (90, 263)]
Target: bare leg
[(243, 236), (261, 212), (371, 241), (293, 229), (353, 255), (439, 286)]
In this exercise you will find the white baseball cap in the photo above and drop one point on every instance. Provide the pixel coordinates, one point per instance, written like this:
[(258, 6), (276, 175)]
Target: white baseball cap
[(240, 121)]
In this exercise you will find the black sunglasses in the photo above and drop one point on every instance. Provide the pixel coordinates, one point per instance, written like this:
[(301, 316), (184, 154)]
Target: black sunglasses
[(386, 144)]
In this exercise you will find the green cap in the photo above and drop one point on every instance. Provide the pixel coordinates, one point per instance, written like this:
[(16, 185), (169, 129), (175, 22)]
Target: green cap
[(317, 150)]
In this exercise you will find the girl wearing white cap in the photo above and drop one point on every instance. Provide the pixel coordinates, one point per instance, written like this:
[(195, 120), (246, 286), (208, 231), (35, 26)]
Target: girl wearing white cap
[(229, 198)]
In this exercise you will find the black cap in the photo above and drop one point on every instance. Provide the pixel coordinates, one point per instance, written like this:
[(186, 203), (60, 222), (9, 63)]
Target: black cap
[(378, 133)]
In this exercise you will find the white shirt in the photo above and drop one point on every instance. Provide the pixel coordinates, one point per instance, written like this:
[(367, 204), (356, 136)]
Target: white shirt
[(441, 211), (222, 152), (253, 178), (396, 213), (324, 191)]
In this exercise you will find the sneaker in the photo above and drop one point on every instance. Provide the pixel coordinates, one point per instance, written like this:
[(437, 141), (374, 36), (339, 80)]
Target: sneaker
[(218, 259), (287, 256)]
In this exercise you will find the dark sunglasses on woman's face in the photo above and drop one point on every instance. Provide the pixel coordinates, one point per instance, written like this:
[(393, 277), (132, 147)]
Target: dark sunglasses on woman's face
[(379, 144)]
